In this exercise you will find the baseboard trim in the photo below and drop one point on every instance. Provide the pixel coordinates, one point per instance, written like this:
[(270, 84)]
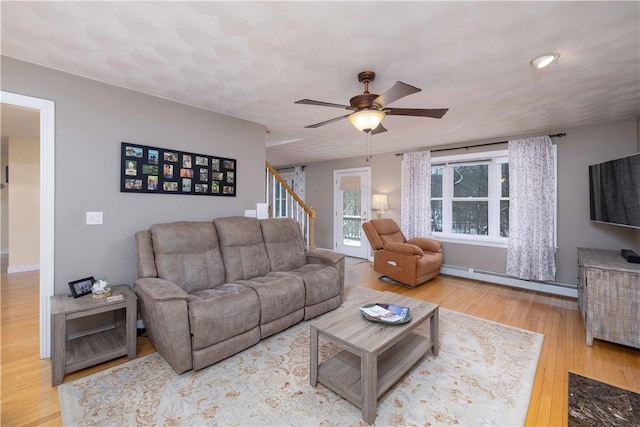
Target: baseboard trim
[(23, 268), (554, 288)]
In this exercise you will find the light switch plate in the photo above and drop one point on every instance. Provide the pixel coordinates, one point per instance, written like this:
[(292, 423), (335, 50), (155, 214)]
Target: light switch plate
[(262, 210), (94, 218)]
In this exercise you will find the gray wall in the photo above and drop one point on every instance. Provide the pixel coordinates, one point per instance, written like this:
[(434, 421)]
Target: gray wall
[(576, 151), (579, 149), (91, 119)]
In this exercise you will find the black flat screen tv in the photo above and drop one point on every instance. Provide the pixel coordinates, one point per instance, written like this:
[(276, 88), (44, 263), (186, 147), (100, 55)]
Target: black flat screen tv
[(614, 188)]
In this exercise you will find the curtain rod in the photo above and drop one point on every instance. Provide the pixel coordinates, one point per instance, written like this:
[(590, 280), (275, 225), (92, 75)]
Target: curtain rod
[(557, 135)]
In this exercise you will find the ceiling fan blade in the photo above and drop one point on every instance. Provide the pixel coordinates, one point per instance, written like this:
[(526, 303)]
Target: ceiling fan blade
[(397, 91), (417, 112), (326, 122), (321, 103), (379, 129)]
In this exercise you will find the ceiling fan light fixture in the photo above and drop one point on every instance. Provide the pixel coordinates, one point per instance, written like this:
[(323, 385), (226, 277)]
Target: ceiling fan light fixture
[(366, 120), (544, 60)]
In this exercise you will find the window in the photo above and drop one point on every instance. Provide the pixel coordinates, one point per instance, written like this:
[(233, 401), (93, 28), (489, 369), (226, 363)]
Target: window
[(281, 198), (351, 219), (280, 201), (470, 198)]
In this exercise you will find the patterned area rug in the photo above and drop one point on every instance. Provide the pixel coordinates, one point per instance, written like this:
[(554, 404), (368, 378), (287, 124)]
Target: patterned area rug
[(593, 403), (483, 376)]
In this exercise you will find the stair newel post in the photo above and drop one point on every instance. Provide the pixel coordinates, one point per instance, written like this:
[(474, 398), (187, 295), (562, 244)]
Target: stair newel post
[(312, 227)]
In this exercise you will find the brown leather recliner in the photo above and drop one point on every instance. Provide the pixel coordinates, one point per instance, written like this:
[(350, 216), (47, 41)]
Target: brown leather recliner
[(411, 262)]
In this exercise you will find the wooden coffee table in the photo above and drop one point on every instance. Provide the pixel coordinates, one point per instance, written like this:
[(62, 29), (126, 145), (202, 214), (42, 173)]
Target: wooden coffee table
[(363, 372)]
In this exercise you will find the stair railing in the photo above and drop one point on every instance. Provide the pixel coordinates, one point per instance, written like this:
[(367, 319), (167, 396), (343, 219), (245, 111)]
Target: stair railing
[(289, 205)]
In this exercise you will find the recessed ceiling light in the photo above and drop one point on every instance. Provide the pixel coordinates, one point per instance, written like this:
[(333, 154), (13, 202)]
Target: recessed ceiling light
[(544, 60)]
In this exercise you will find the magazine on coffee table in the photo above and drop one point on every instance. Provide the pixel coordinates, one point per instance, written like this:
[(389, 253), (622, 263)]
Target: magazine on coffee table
[(386, 313)]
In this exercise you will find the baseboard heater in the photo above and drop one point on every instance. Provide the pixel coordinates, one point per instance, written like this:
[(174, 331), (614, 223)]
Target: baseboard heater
[(554, 288)]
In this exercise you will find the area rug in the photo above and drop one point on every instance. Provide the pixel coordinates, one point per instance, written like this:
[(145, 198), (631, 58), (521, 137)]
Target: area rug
[(594, 403), (483, 375)]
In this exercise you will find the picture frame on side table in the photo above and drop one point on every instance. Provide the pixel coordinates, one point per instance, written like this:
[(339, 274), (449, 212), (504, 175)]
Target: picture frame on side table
[(81, 287)]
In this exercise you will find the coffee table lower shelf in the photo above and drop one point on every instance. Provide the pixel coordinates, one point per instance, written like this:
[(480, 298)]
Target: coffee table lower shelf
[(341, 373)]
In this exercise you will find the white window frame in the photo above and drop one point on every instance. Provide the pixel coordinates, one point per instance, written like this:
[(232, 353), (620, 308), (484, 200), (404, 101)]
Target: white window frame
[(280, 197), (492, 158)]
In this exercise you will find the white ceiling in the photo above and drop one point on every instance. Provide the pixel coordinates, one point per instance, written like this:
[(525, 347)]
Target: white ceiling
[(252, 60)]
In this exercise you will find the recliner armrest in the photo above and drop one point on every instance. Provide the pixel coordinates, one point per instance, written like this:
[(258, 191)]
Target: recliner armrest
[(426, 244), (403, 248)]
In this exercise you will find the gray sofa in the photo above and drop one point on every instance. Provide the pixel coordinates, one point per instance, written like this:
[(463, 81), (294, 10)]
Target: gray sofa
[(207, 290)]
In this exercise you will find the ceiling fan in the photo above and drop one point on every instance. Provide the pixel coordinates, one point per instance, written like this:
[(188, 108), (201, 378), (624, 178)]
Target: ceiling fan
[(368, 109)]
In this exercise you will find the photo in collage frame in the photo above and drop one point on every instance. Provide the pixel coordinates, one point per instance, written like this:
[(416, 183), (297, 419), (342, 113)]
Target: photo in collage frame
[(147, 169)]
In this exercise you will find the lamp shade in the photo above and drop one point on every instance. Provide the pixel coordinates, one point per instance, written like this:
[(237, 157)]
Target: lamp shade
[(366, 120), (379, 202)]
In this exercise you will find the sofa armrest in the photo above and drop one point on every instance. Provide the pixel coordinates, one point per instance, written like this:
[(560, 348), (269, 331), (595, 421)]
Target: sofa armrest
[(324, 257), (403, 249), (334, 259), (160, 289), (163, 307), (426, 244)]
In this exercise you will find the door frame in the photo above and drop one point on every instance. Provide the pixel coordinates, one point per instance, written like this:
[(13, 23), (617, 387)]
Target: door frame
[(365, 205), (47, 204)]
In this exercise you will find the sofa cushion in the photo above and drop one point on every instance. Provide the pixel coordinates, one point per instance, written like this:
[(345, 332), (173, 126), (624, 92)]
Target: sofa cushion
[(279, 294), (188, 254), (242, 247), (218, 314), (321, 282), (284, 244)]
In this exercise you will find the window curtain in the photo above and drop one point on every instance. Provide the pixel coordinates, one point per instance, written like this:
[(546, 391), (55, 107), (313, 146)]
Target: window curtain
[(416, 194), (531, 246)]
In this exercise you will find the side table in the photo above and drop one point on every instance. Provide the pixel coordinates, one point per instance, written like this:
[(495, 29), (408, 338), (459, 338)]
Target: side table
[(69, 355)]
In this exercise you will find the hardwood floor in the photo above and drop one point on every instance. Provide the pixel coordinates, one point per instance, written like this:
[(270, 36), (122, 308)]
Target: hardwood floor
[(28, 398)]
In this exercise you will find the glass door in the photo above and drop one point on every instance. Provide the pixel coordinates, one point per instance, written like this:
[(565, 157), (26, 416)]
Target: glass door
[(352, 206)]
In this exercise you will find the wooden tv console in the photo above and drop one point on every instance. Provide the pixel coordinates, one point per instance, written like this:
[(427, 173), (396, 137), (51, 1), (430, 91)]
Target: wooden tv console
[(609, 296)]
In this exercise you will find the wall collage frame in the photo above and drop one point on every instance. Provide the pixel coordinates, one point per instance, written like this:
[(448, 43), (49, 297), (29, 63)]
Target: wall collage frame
[(146, 169)]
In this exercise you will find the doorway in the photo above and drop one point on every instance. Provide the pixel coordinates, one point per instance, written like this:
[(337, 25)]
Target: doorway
[(19, 221), (352, 207), (47, 177)]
